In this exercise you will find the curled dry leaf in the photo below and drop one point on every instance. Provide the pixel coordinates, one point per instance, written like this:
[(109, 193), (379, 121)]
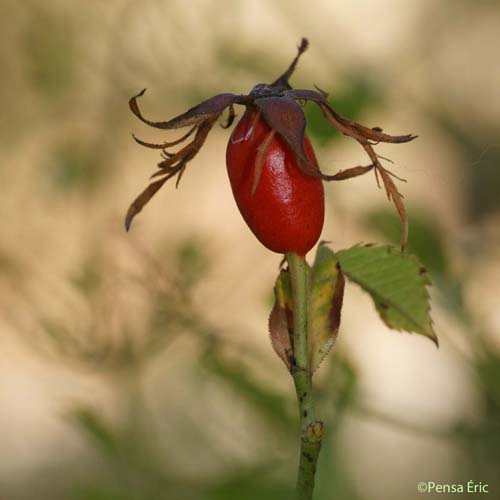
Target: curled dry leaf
[(281, 320)]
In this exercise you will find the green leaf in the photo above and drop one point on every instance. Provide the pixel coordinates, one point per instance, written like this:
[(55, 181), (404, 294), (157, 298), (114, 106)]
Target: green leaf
[(281, 319), (397, 283), (325, 303), (426, 238)]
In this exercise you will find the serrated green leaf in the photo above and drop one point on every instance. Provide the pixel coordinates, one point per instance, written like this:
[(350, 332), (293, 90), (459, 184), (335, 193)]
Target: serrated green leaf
[(325, 303), (397, 283), (426, 239), (281, 319)]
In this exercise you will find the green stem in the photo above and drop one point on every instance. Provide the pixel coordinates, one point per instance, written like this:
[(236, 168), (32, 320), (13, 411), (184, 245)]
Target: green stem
[(311, 429)]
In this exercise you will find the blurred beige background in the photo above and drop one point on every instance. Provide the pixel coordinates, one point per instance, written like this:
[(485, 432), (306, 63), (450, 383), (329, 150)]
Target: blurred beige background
[(97, 323)]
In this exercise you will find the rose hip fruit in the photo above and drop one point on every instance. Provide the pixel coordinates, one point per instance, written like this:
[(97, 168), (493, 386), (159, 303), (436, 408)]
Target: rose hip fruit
[(283, 207)]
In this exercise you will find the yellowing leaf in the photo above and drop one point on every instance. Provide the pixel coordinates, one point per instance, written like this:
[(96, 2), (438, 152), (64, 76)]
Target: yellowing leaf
[(325, 303)]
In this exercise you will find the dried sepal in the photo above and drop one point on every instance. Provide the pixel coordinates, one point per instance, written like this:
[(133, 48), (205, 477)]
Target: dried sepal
[(286, 117), (201, 118), (348, 173), (324, 93), (307, 95), (282, 81), (391, 191), (352, 128), (143, 198), (397, 198), (347, 127), (164, 145), (230, 118), (367, 137), (193, 116), (174, 165), (392, 194)]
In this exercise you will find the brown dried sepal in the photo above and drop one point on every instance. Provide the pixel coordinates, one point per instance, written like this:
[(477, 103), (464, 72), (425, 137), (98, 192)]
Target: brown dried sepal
[(173, 165), (193, 116), (201, 118), (286, 117)]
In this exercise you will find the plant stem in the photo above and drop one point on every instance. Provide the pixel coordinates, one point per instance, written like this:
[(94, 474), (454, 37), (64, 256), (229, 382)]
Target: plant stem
[(311, 430)]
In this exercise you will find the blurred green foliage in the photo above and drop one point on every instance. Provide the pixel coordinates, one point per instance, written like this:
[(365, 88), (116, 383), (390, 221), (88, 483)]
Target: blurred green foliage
[(74, 166), (191, 262), (133, 463), (50, 48), (275, 408), (113, 341), (480, 151), (252, 62)]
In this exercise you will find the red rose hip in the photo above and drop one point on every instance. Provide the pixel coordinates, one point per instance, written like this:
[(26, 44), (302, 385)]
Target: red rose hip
[(283, 207), (274, 175)]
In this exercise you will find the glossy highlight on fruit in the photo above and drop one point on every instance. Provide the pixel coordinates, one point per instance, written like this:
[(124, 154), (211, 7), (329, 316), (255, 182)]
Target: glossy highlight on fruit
[(285, 208)]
